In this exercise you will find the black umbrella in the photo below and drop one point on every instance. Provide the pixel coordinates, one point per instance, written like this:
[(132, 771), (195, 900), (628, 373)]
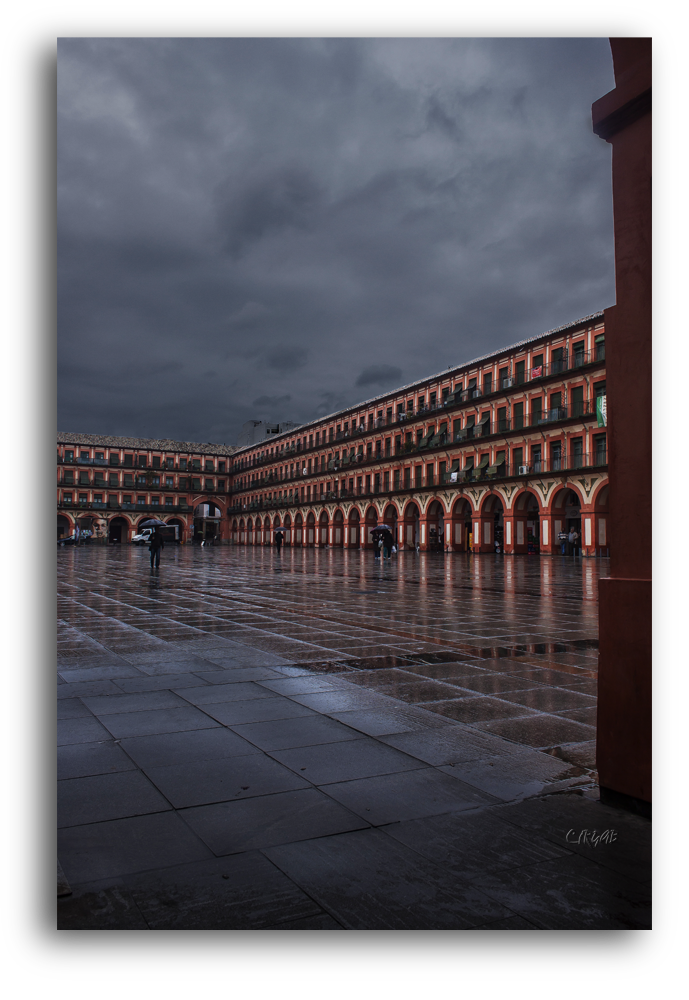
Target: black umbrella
[(152, 522)]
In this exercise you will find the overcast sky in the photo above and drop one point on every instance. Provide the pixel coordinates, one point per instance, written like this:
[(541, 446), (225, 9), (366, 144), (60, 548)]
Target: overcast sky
[(278, 228)]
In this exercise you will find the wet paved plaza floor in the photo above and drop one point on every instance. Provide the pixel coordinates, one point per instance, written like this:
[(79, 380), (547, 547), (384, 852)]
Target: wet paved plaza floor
[(317, 740)]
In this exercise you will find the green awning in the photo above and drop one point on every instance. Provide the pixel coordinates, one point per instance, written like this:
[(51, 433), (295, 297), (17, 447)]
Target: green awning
[(484, 462), (455, 466)]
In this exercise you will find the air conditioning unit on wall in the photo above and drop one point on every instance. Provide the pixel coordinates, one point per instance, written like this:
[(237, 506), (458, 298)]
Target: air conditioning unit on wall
[(524, 469)]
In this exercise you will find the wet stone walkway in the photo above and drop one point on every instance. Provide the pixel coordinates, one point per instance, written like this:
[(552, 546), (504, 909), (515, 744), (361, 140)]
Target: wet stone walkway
[(315, 740)]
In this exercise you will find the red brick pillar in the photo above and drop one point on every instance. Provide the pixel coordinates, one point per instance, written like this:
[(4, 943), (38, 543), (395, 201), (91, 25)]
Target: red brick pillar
[(623, 118)]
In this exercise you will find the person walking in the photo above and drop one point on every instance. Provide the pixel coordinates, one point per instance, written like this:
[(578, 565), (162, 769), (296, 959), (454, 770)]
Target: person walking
[(377, 542), (278, 540), (562, 537), (575, 542), (387, 543), (571, 538), (157, 543)]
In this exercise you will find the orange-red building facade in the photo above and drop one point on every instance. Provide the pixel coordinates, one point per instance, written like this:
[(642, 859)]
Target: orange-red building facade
[(510, 448), (507, 449), (109, 485)]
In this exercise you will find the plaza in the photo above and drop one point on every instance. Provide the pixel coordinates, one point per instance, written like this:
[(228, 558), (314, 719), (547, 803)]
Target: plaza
[(316, 739)]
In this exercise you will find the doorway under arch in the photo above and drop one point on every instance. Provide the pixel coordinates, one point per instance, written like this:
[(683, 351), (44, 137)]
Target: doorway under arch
[(118, 530)]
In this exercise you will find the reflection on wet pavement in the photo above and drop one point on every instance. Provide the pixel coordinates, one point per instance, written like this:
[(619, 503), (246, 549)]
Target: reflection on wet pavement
[(333, 745), (488, 641)]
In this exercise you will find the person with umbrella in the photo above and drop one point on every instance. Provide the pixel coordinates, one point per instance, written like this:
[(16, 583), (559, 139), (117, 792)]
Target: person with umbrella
[(388, 539), (279, 538), (379, 533)]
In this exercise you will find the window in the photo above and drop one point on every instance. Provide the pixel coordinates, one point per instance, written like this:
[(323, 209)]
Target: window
[(84, 456), (579, 357), (126, 498), (536, 411), (114, 458), (433, 399), (100, 456), (599, 349), (169, 482), (599, 389), (169, 463), (68, 477), (517, 459), (66, 497), (221, 466), (98, 498), (407, 478), (128, 479), (155, 501), (221, 485), (600, 446), (196, 484), (83, 497), (113, 479), (142, 461), (519, 372), (456, 428), (473, 391), (156, 461), (487, 384), (577, 401), (83, 479), (69, 456), (577, 453), (208, 484), (558, 361), (518, 415), (196, 464), (129, 460), (536, 457), (210, 467), (504, 375), (555, 456), (502, 419), (169, 501), (183, 464)]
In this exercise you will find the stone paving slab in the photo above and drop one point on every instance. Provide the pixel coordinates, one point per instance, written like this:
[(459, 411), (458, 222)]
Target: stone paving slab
[(369, 882), (393, 798), (201, 782), (270, 820), (104, 796), (78, 760), (310, 785)]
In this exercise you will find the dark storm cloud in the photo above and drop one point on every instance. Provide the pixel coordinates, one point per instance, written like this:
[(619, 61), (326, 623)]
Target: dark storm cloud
[(272, 401), (255, 225), (286, 359), (383, 375)]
